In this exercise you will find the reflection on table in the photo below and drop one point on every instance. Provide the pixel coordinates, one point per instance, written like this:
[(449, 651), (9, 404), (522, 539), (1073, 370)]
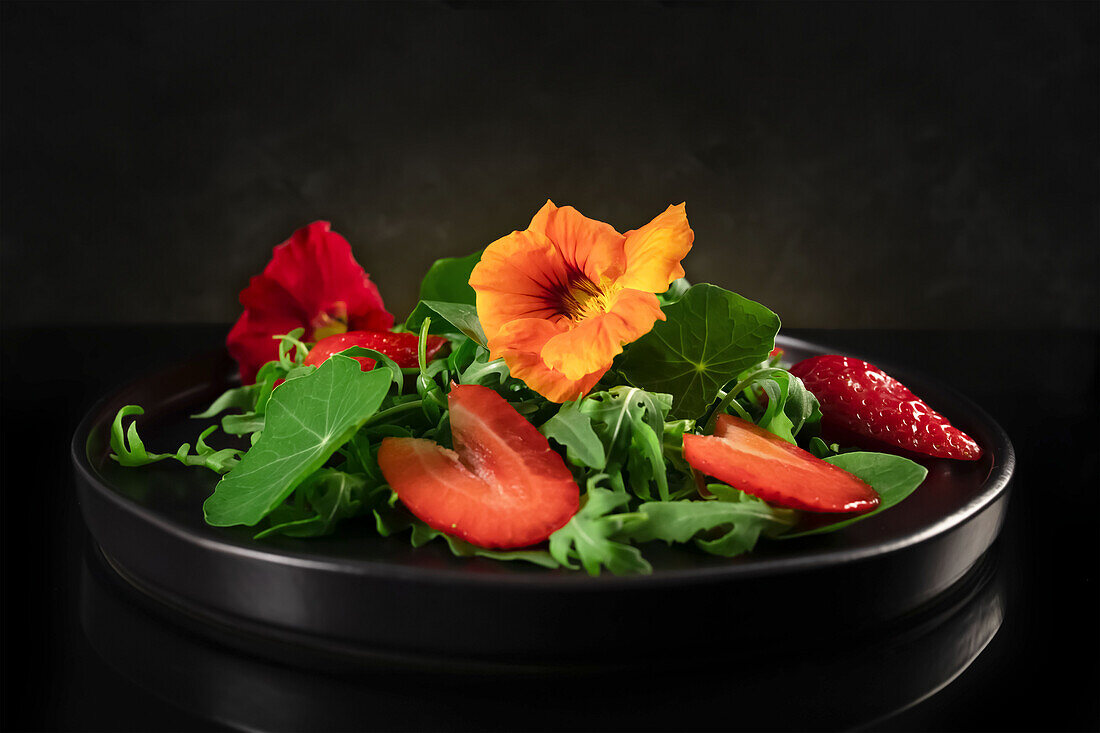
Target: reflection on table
[(768, 681)]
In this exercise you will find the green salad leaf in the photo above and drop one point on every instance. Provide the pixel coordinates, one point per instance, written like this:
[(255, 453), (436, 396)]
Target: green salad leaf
[(307, 420), (129, 450), (757, 518), (893, 477), (326, 497), (461, 317), (681, 521), (589, 535), (710, 335), (448, 279), (572, 429)]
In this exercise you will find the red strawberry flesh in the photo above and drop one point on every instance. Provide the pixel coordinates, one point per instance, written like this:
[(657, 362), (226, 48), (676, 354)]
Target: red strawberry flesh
[(860, 399), (401, 347), (501, 487), (757, 462)]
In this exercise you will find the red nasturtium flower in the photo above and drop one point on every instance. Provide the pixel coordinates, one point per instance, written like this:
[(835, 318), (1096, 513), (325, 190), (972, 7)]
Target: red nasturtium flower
[(312, 282), (558, 300)]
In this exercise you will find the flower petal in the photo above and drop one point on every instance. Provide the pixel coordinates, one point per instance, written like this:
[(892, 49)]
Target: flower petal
[(269, 310), (316, 266), (588, 246), (524, 334), (551, 384), (250, 343), (596, 341), (517, 277), (653, 253)]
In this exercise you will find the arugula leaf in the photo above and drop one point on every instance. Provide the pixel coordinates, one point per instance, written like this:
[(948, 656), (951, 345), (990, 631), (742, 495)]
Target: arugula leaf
[(759, 518), (244, 424), (628, 421), (645, 462), (391, 521), (680, 521), (893, 477), (485, 371), (291, 341), (789, 406), (572, 429), (821, 449), (588, 535), (462, 316), (675, 291), (129, 450), (307, 420), (331, 496), (672, 444), (462, 354), (710, 335), (241, 398)]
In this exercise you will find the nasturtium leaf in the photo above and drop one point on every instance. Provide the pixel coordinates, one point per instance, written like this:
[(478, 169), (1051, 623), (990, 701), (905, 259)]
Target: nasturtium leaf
[(307, 420), (572, 429), (383, 362), (710, 335), (588, 536), (451, 316), (893, 477)]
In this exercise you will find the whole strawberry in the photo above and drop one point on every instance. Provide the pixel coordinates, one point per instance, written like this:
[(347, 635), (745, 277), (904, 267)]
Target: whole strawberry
[(860, 399)]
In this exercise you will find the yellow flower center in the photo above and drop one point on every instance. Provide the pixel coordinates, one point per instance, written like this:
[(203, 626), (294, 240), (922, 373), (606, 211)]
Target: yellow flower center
[(329, 322), (584, 299)]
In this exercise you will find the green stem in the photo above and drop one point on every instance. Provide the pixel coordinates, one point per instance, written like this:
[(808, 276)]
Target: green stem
[(731, 395), (396, 410), (421, 344)]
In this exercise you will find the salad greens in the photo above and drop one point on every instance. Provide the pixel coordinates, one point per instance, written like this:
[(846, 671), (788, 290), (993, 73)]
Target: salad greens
[(313, 462)]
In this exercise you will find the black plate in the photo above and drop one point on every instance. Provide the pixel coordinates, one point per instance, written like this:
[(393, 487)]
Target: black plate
[(357, 597), (836, 687)]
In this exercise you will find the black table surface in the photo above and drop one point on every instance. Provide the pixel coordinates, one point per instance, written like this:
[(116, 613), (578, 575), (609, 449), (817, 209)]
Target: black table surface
[(1038, 672)]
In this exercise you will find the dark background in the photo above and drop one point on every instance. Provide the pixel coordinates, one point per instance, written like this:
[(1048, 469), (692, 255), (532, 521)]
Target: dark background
[(871, 165), (890, 167)]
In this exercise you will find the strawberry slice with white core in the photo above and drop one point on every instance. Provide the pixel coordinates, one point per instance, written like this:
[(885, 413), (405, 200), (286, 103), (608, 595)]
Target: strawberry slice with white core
[(757, 462), (501, 487)]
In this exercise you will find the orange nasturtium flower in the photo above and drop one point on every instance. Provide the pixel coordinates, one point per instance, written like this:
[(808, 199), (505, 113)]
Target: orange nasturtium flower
[(558, 300)]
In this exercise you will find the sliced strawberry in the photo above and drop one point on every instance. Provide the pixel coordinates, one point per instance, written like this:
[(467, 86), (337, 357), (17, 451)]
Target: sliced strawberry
[(401, 347), (501, 487), (859, 399), (753, 460)]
